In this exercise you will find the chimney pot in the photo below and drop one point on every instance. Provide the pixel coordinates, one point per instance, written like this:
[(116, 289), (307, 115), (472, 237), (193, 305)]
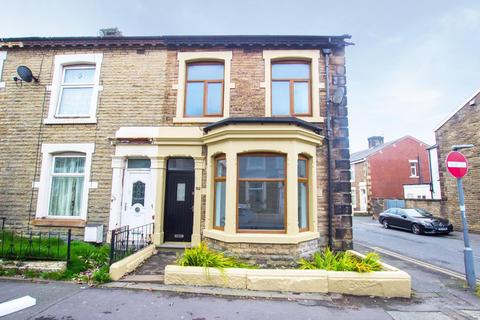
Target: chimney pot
[(375, 141)]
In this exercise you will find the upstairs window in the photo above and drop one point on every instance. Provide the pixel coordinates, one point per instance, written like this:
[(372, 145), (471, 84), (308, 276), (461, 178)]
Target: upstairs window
[(413, 168), (291, 88), (76, 91), (204, 89)]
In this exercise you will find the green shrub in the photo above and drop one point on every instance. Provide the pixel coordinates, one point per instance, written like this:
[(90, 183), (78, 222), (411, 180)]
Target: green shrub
[(478, 291), (341, 261), (202, 256)]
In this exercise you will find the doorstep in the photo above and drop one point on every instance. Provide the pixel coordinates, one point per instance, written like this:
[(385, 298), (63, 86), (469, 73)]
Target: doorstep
[(176, 245)]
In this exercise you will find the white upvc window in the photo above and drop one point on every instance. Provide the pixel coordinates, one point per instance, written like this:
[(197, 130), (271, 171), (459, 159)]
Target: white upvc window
[(413, 168), (64, 181), (3, 57), (68, 180), (75, 89)]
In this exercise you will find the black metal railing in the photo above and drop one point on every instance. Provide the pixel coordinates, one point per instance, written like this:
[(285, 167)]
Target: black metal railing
[(35, 245), (2, 219), (125, 241)]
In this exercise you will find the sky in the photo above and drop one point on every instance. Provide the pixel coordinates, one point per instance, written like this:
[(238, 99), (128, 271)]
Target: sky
[(413, 62)]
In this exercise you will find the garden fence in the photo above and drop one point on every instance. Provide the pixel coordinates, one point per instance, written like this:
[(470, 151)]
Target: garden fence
[(126, 241), (35, 245)]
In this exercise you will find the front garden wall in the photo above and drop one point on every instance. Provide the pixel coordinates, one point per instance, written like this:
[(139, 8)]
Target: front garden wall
[(390, 282)]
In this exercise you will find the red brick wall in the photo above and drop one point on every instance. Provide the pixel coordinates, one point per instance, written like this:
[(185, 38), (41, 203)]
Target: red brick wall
[(390, 168)]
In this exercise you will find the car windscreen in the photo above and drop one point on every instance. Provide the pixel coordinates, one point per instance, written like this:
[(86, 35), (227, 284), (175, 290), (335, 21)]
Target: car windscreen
[(418, 213)]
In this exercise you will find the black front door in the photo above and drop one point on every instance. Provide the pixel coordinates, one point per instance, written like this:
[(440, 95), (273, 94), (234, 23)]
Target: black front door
[(178, 220)]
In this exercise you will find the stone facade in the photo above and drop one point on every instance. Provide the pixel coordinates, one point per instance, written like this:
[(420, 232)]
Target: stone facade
[(463, 127), (139, 89), (267, 255)]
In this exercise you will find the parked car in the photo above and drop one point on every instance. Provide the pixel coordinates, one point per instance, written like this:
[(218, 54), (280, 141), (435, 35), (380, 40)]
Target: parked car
[(417, 220)]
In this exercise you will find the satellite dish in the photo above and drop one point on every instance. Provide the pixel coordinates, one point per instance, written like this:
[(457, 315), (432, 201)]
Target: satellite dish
[(338, 95), (26, 74)]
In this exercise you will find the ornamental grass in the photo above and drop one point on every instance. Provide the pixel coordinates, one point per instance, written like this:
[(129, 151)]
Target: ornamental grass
[(341, 261), (202, 256)]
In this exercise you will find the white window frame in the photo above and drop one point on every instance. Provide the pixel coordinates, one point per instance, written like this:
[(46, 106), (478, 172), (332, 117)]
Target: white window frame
[(3, 57), (313, 56), (49, 153), (414, 166), (73, 175), (354, 197), (61, 63), (64, 85), (185, 58)]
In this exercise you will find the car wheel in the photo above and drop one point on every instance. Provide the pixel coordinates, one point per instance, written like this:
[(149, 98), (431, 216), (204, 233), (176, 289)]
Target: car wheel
[(385, 224), (416, 229)]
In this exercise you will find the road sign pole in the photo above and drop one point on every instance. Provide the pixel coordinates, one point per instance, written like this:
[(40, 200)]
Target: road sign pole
[(467, 251)]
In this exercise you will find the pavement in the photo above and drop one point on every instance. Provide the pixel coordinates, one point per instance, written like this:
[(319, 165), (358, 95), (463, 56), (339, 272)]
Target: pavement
[(436, 295)]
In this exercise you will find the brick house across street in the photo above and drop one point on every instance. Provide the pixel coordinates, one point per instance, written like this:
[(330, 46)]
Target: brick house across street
[(461, 127), (220, 139), (395, 170)]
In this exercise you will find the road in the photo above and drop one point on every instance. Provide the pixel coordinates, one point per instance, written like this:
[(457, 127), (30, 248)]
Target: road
[(442, 251)]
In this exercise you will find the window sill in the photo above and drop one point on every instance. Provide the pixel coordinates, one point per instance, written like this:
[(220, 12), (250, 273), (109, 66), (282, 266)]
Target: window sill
[(267, 238), (70, 120), (52, 222), (197, 120)]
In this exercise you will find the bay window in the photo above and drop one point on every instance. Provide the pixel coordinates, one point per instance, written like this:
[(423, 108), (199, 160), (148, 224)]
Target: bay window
[(302, 169), (220, 192), (261, 193), (67, 185)]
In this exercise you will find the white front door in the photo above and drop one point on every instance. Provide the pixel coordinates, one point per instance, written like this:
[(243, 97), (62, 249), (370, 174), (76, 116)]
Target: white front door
[(137, 202), (363, 199)]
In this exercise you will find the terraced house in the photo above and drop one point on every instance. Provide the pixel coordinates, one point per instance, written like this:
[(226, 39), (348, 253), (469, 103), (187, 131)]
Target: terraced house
[(239, 141)]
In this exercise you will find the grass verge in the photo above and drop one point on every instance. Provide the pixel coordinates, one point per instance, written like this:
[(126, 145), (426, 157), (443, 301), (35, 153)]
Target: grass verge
[(88, 264)]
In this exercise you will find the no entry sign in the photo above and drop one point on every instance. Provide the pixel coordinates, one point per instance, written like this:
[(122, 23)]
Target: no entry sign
[(457, 164)]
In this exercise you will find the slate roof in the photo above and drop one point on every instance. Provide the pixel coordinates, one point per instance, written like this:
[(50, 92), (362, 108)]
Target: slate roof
[(263, 120), (289, 41), (357, 156)]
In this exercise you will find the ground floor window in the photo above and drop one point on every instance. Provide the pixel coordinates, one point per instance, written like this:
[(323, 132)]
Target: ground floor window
[(220, 191), (302, 169), (261, 192), (67, 187)]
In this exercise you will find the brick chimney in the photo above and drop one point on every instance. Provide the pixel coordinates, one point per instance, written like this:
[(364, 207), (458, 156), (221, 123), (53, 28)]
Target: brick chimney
[(375, 141)]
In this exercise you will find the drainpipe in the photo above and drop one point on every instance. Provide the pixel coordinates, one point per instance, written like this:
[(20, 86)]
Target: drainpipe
[(326, 54)]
